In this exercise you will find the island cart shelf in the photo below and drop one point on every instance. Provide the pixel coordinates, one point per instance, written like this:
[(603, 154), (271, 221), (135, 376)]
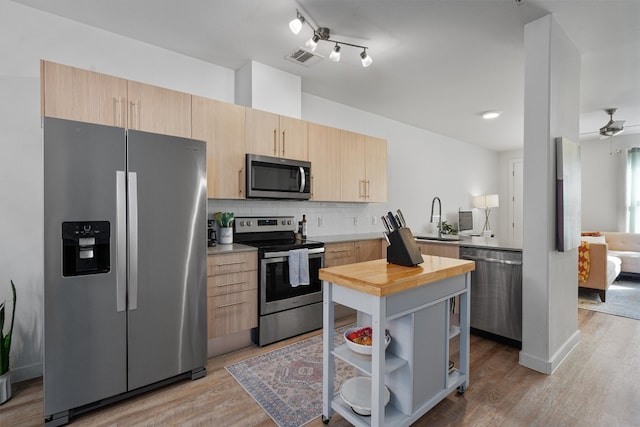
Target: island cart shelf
[(414, 304)]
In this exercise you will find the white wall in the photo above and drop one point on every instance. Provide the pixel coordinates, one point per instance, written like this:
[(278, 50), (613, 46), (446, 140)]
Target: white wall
[(266, 88), (549, 280), (421, 164), (603, 178), (26, 36)]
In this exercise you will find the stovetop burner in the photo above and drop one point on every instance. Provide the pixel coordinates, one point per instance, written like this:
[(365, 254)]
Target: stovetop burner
[(270, 234), (284, 245)]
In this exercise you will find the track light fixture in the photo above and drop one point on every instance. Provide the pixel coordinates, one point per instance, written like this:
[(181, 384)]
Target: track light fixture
[(366, 59), (323, 33), (335, 53), (296, 24)]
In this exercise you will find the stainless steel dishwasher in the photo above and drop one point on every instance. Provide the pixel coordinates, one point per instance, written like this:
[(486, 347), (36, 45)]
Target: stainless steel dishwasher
[(496, 292)]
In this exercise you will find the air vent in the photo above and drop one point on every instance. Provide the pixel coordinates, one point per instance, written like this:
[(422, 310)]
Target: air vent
[(304, 57)]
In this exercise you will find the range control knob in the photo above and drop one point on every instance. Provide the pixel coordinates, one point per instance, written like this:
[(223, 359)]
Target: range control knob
[(288, 222), (249, 224), (241, 223), (284, 222)]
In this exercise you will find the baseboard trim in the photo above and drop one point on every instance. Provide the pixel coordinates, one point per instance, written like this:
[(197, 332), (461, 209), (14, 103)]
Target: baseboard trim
[(28, 372), (549, 366)]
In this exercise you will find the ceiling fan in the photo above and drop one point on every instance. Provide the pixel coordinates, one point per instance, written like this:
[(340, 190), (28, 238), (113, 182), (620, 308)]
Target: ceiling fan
[(614, 127)]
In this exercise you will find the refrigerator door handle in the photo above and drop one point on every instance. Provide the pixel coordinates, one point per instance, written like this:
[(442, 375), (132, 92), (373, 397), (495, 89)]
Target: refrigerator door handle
[(121, 242), (133, 241)]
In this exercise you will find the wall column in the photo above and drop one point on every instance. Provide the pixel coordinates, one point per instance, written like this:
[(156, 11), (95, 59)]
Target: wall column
[(550, 282)]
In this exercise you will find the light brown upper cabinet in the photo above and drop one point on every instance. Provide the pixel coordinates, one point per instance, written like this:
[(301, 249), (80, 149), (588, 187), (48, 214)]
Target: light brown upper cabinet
[(324, 155), (352, 165), (364, 168), (221, 125), (270, 134), (75, 94), (159, 110), (376, 169), (85, 96)]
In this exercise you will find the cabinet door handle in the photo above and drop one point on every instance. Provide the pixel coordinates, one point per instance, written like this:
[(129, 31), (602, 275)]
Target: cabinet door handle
[(230, 304), (283, 151), (275, 142), (367, 187), (311, 186), (116, 111), (337, 251), (222, 285), (135, 115), (230, 263), (240, 182)]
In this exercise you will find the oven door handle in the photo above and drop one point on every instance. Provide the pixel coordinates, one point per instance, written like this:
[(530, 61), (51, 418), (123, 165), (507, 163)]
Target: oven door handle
[(283, 254)]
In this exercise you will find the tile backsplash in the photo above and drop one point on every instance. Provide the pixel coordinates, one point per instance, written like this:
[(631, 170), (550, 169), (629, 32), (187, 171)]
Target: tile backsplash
[(323, 219)]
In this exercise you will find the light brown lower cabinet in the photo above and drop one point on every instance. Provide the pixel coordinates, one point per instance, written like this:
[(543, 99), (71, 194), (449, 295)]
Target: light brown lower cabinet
[(343, 253), (446, 250), (232, 293)]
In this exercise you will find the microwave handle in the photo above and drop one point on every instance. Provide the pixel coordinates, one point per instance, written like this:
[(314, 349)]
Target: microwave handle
[(303, 179)]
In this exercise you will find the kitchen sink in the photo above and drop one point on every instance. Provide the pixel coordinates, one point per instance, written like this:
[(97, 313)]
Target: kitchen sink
[(442, 238)]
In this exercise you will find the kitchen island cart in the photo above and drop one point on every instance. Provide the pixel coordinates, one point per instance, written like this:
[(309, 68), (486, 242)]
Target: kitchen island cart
[(414, 305)]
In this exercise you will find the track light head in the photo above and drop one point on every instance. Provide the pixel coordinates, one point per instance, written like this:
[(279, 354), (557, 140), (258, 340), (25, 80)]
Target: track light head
[(296, 24), (312, 43), (335, 53), (366, 59)]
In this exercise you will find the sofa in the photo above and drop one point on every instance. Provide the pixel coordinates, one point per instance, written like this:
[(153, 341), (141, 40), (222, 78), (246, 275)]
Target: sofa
[(610, 254), (625, 246)]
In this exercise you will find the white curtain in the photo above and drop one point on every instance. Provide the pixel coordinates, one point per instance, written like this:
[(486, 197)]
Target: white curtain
[(633, 190)]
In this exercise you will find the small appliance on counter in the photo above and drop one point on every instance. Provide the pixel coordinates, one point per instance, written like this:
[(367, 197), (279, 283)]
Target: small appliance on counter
[(211, 232)]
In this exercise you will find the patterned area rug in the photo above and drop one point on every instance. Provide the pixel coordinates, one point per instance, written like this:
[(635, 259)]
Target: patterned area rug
[(287, 382), (623, 299)]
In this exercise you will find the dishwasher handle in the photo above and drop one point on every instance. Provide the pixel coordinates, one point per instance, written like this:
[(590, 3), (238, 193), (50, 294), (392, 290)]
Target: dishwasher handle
[(491, 260)]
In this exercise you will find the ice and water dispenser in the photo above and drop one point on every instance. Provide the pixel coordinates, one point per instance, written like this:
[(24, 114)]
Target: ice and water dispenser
[(85, 247)]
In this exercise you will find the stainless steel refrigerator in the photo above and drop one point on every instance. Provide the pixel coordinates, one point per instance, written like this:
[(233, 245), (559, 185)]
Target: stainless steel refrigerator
[(125, 271)]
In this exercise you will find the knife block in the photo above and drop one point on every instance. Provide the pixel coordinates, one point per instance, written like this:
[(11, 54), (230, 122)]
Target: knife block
[(402, 249)]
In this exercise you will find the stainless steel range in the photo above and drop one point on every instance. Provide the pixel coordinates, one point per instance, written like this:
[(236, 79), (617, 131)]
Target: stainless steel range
[(285, 308)]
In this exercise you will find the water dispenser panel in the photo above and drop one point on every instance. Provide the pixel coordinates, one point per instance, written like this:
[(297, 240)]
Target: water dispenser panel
[(85, 247)]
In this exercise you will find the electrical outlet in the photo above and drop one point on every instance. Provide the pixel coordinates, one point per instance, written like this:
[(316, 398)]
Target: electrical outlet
[(374, 220), (319, 222), (355, 220)]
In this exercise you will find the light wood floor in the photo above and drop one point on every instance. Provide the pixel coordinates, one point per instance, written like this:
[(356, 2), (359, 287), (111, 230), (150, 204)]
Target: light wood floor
[(597, 385)]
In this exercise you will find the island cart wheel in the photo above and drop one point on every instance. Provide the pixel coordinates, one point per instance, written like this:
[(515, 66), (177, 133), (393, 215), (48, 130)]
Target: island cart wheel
[(325, 420), (461, 390)]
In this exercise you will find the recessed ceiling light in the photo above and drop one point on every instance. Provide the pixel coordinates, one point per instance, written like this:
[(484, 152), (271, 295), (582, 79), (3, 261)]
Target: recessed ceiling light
[(493, 114)]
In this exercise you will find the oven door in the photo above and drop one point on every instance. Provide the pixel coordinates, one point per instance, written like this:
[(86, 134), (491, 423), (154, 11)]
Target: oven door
[(276, 292)]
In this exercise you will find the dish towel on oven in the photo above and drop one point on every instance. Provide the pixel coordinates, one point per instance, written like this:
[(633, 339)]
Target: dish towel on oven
[(299, 267)]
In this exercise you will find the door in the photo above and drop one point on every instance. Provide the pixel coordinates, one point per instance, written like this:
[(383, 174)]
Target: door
[(167, 246), (85, 330)]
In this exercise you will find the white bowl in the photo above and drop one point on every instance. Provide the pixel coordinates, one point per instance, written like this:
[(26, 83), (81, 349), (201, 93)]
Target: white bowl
[(356, 392), (363, 349)]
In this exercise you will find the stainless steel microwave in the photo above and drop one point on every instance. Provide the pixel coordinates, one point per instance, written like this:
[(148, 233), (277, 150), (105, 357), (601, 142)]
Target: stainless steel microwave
[(277, 178)]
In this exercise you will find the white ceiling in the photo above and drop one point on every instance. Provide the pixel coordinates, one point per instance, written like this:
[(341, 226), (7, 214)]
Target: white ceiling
[(436, 63)]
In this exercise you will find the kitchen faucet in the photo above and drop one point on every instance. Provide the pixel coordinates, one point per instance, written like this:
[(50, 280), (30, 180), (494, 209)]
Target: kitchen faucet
[(439, 215)]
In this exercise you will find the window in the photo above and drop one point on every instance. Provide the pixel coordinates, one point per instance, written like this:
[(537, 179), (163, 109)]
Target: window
[(633, 190)]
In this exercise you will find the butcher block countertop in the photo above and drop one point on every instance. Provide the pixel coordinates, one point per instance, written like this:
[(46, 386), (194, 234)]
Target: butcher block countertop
[(380, 278)]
